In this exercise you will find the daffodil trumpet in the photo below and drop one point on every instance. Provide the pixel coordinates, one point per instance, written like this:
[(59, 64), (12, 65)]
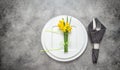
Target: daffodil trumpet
[(66, 28)]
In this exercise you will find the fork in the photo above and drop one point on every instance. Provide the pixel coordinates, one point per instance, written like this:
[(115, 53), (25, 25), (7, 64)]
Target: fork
[(98, 26)]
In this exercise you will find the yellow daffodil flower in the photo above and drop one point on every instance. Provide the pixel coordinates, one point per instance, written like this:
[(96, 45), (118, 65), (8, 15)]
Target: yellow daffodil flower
[(65, 27)]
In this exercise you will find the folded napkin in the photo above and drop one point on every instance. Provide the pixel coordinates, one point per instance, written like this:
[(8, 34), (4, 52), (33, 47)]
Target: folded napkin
[(95, 37)]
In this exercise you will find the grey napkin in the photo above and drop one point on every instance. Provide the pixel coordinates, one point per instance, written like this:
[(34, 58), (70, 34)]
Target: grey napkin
[(95, 37)]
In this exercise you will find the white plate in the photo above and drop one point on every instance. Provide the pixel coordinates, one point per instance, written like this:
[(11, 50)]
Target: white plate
[(53, 40)]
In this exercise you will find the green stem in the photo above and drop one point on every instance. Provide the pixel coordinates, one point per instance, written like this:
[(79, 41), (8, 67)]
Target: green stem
[(65, 41)]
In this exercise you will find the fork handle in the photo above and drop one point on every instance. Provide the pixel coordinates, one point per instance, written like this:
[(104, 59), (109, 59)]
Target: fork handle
[(95, 54)]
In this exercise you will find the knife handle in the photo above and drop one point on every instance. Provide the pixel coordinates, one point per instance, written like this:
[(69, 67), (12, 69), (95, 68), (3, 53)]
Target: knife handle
[(95, 54)]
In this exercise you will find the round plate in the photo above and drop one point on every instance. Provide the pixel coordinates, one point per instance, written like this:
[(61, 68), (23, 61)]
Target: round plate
[(52, 39)]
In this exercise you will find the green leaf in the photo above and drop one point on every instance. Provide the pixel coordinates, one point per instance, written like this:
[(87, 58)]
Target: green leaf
[(67, 19), (70, 20)]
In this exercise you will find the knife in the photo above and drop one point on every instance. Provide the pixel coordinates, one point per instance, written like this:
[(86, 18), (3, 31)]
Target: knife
[(95, 50)]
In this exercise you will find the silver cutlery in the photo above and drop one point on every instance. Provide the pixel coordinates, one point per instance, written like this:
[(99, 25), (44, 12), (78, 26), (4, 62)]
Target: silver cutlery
[(95, 50)]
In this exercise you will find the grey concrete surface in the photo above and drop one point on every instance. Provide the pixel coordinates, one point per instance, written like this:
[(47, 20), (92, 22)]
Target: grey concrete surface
[(21, 22)]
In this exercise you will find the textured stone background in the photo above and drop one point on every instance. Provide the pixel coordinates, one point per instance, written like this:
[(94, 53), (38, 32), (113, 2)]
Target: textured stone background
[(21, 22)]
